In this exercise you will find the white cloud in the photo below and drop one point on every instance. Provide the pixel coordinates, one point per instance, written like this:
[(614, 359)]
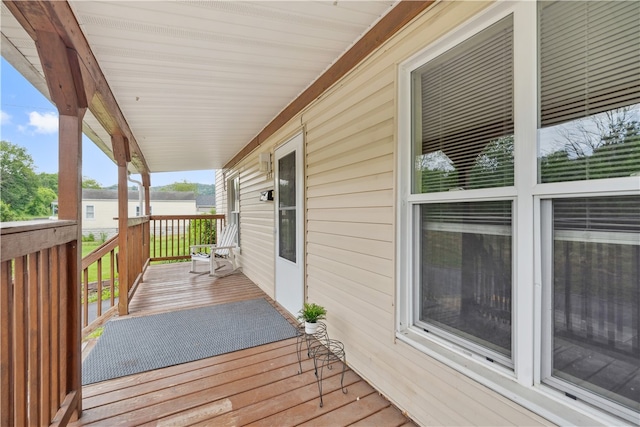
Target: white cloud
[(43, 123), (4, 118)]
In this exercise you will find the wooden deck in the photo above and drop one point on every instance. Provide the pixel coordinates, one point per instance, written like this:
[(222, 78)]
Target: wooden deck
[(255, 386)]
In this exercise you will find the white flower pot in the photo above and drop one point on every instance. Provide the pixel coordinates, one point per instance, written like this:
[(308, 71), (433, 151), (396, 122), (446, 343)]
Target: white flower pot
[(310, 328)]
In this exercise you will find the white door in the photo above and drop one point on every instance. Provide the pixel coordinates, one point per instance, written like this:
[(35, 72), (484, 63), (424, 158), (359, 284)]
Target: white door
[(289, 189)]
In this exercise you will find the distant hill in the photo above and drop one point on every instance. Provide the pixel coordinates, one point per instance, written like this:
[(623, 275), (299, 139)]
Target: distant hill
[(200, 189)]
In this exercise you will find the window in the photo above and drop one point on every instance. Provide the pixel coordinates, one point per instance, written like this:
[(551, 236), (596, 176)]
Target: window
[(233, 203), (89, 212), (462, 111), (465, 272), (590, 129), (502, 123), (592, 256), (463, 114), (589, 90), (287, 207)]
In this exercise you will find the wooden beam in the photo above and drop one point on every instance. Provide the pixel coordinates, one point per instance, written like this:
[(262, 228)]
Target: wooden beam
[(58, 74), (70, 166), (57, 17), (146, 183), (390, 24), (121, 154)]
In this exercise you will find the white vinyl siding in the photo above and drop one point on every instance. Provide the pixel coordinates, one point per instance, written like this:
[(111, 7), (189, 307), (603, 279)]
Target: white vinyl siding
[(352, 266)]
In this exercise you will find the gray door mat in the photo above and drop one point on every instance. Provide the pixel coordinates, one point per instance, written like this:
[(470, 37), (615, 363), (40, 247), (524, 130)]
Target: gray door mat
[(139, 344)]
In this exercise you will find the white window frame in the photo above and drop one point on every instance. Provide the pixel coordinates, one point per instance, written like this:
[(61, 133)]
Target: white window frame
[(233, 200), (525, 378), (93, 212)]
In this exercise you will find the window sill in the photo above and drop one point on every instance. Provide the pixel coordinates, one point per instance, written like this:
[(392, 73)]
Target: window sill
[(540, 399)]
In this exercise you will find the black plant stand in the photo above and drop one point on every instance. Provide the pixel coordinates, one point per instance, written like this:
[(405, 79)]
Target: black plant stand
[(325, 353), (304, 338)]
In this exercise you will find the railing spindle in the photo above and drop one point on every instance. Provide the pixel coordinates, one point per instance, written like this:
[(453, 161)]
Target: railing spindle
[(33, 348), (20, 355), (45, 337)]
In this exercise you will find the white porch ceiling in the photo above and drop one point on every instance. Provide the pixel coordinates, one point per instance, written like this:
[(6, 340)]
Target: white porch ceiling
[(197, 80)]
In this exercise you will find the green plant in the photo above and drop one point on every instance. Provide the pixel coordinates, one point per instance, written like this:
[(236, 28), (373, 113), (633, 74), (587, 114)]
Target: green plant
[(312, 312), (95, 334)]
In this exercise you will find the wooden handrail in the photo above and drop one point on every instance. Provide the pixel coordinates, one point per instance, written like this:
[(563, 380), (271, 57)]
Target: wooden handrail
[(172, 235), (100, 251), (108, 248), (39, 323), (22, 238)]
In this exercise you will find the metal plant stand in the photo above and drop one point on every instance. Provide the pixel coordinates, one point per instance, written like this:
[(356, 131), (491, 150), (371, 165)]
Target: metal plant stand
[(325, 354), (307, 339)]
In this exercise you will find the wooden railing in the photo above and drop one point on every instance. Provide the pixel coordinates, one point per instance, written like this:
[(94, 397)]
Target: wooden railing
[(102, 256), (137, 251), (39, 323), (171, 235)]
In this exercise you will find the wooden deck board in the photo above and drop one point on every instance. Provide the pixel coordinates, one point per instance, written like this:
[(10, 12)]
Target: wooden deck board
[(254, 386)]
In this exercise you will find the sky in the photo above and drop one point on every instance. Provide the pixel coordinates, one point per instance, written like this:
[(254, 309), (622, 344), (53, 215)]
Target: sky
[(30, 120)]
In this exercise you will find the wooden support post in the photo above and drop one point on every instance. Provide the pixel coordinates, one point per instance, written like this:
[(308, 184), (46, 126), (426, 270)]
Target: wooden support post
[(120, 146), (146, 183), (63, 73)]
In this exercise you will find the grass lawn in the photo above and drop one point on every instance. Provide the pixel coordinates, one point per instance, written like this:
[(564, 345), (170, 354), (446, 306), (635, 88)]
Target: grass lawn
[(87, 248)]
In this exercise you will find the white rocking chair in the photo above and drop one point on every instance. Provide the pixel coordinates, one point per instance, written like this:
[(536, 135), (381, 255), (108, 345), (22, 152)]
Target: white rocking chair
[(213, 254)]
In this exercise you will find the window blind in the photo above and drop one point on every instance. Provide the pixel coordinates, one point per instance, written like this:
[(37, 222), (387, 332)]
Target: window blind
[(617, 213), (589, 58), (464, 108), (589, 90)]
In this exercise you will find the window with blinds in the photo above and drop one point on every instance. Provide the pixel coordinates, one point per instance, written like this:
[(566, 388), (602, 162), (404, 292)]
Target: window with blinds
[(589, 90), (463, 114)]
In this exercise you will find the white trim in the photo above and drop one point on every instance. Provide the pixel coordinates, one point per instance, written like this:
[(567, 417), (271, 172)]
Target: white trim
[(525, 167), (594, 187)]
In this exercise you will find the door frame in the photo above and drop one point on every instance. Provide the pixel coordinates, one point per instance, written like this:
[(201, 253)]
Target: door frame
[(293, 143)]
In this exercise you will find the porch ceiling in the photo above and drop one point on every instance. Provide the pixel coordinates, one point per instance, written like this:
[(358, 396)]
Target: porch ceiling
[(198, 80)]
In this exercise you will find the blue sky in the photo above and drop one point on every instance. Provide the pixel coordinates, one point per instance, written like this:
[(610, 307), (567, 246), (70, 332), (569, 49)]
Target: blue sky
[(28, 119)]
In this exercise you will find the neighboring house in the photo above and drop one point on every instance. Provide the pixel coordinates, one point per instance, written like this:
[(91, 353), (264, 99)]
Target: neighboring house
[(205, 203), (100, 208), (451, 203)]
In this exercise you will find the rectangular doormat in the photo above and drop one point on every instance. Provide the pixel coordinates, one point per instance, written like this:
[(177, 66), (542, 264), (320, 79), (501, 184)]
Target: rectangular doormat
[(139, 344)]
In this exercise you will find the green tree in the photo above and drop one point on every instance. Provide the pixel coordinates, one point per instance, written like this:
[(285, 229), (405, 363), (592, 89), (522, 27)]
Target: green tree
[(7, 214), (40, 204), (18, 181), (606, 145), (90, 183), (48, 180), (181, 186)]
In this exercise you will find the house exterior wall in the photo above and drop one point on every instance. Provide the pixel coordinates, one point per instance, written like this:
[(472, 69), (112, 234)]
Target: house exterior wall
[(351, 239), (106, 210)]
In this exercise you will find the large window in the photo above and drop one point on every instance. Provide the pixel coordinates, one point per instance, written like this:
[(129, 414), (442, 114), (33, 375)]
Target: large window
[(462, 112), (590, 129), (519, 206)]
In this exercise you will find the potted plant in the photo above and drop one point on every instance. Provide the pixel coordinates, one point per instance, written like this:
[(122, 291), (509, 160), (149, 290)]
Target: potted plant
[(311, 313)]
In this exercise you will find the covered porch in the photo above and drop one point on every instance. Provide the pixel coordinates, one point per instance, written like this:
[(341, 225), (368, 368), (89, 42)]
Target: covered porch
[(257, 386)]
